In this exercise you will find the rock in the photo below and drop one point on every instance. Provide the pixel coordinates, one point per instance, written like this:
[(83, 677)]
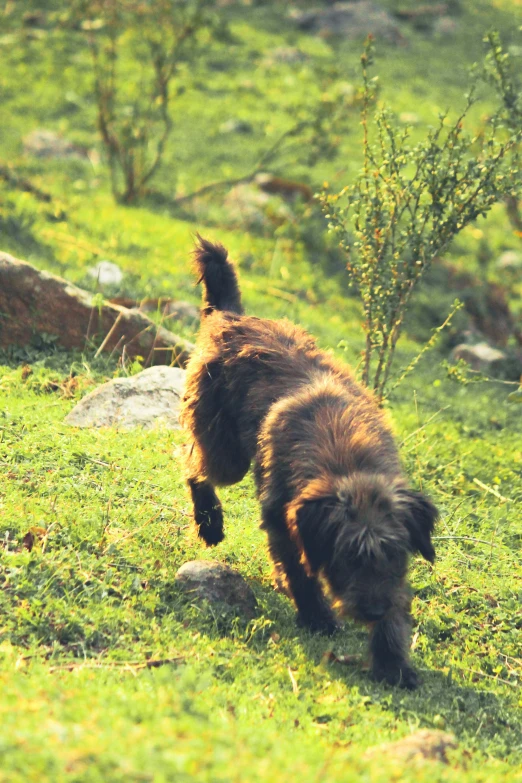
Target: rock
[(149, 399), (218, 584), (35, 302), (349, 20), (445, 27), (286, 188), (510, 260), (424, 745), (236, 126), (486, 303), (106, 273), (481, 357), (46, 144), (289, 55), (247, 206), (183, 311)]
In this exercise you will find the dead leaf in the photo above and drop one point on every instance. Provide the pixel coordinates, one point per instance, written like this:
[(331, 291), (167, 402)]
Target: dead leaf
[(33, 535)]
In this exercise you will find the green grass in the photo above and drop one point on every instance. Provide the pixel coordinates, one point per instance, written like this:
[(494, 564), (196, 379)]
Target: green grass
[(108, 514), (111, 524)]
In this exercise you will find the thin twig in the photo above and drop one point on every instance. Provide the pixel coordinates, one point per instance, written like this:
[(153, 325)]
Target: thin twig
[(490, 490), (109, 335), (152, 663), (463, 538), (483, 674), (441, 410), (295, 686)]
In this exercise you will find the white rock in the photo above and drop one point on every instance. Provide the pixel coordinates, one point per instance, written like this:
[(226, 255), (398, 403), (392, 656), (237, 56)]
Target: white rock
[(47, 144), (106, 273), (149, 399), (481, 356), (509, 260)]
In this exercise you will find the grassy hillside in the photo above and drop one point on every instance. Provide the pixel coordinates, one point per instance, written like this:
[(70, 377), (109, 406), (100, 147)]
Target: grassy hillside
[(94, 524)]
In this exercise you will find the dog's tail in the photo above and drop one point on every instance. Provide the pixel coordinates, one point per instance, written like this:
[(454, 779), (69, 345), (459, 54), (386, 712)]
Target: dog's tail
[(219, 278)]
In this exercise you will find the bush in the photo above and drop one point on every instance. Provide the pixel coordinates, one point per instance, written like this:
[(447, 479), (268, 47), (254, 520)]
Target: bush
[(156, 37), (406, 206)]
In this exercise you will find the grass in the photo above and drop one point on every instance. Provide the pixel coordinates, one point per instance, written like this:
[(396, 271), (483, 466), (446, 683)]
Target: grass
[(95, 596), (94, 524)]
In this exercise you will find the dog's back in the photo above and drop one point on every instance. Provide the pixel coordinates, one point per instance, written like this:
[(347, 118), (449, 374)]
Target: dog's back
[(249, 363)]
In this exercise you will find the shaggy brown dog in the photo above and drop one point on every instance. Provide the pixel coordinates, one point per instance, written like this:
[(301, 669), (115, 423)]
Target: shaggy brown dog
[(334, 500)]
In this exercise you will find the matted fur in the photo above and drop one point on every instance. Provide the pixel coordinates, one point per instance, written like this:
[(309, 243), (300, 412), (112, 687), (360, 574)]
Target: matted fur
[(334, 500)]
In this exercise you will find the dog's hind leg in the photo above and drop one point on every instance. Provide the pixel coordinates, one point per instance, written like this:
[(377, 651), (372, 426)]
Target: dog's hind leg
[(313, 610), (217, 456)]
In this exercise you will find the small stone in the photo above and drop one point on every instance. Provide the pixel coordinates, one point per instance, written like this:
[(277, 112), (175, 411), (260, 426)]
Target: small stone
[(289, 55), (349, 20), (106, 273), (183, 311), (481, 357), (250, 207), (510, 260), (236, 126), (445, 27), (47, 144), (218, 584), (149, 399), (424, 745)]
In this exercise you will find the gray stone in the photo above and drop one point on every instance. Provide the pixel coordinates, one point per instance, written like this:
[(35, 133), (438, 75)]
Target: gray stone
[(510, 260), (106, 273), (423, 745), (218, 584), (149, 399), (47, 144), (289, 55), (250, 207), (481, 357), (445, 27), (349, 20), (183, 311), (236, 126)]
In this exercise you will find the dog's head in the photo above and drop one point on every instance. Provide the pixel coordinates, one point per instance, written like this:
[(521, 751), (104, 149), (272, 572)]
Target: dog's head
[(360, 531)]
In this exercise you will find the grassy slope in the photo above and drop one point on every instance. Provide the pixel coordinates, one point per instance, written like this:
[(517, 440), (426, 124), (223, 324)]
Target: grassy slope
[(100, 586)]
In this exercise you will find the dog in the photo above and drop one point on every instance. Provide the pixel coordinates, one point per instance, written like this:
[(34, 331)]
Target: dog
[(335, 503)]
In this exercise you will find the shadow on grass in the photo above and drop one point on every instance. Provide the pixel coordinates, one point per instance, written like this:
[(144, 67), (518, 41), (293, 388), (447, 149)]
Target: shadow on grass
[(485, 720)]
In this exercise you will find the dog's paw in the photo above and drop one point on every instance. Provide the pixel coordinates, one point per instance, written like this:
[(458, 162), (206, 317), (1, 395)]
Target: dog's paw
[(324, 623), (210, 535), (402, 675), (210, 526)]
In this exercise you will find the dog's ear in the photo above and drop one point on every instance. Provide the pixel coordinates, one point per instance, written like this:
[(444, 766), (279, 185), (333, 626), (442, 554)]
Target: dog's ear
[(419, 516), (313, 523)]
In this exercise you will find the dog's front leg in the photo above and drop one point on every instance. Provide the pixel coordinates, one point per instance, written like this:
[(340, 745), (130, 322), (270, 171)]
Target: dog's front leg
[(389, 646), (313, 611), (208, 513)]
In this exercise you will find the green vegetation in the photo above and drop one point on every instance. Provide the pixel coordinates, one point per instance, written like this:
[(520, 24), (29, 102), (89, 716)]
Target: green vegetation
[(94, 524), (407, 206)]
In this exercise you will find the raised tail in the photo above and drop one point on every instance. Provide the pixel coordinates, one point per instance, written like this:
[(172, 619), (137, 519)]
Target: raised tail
[(219, 278)]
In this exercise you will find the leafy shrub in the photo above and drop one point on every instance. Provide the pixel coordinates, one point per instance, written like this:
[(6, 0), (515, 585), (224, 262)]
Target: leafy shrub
[(405, 207), (134, 110)]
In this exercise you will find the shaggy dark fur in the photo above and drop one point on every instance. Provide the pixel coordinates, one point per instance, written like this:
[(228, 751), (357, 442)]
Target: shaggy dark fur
[(335, 503)]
